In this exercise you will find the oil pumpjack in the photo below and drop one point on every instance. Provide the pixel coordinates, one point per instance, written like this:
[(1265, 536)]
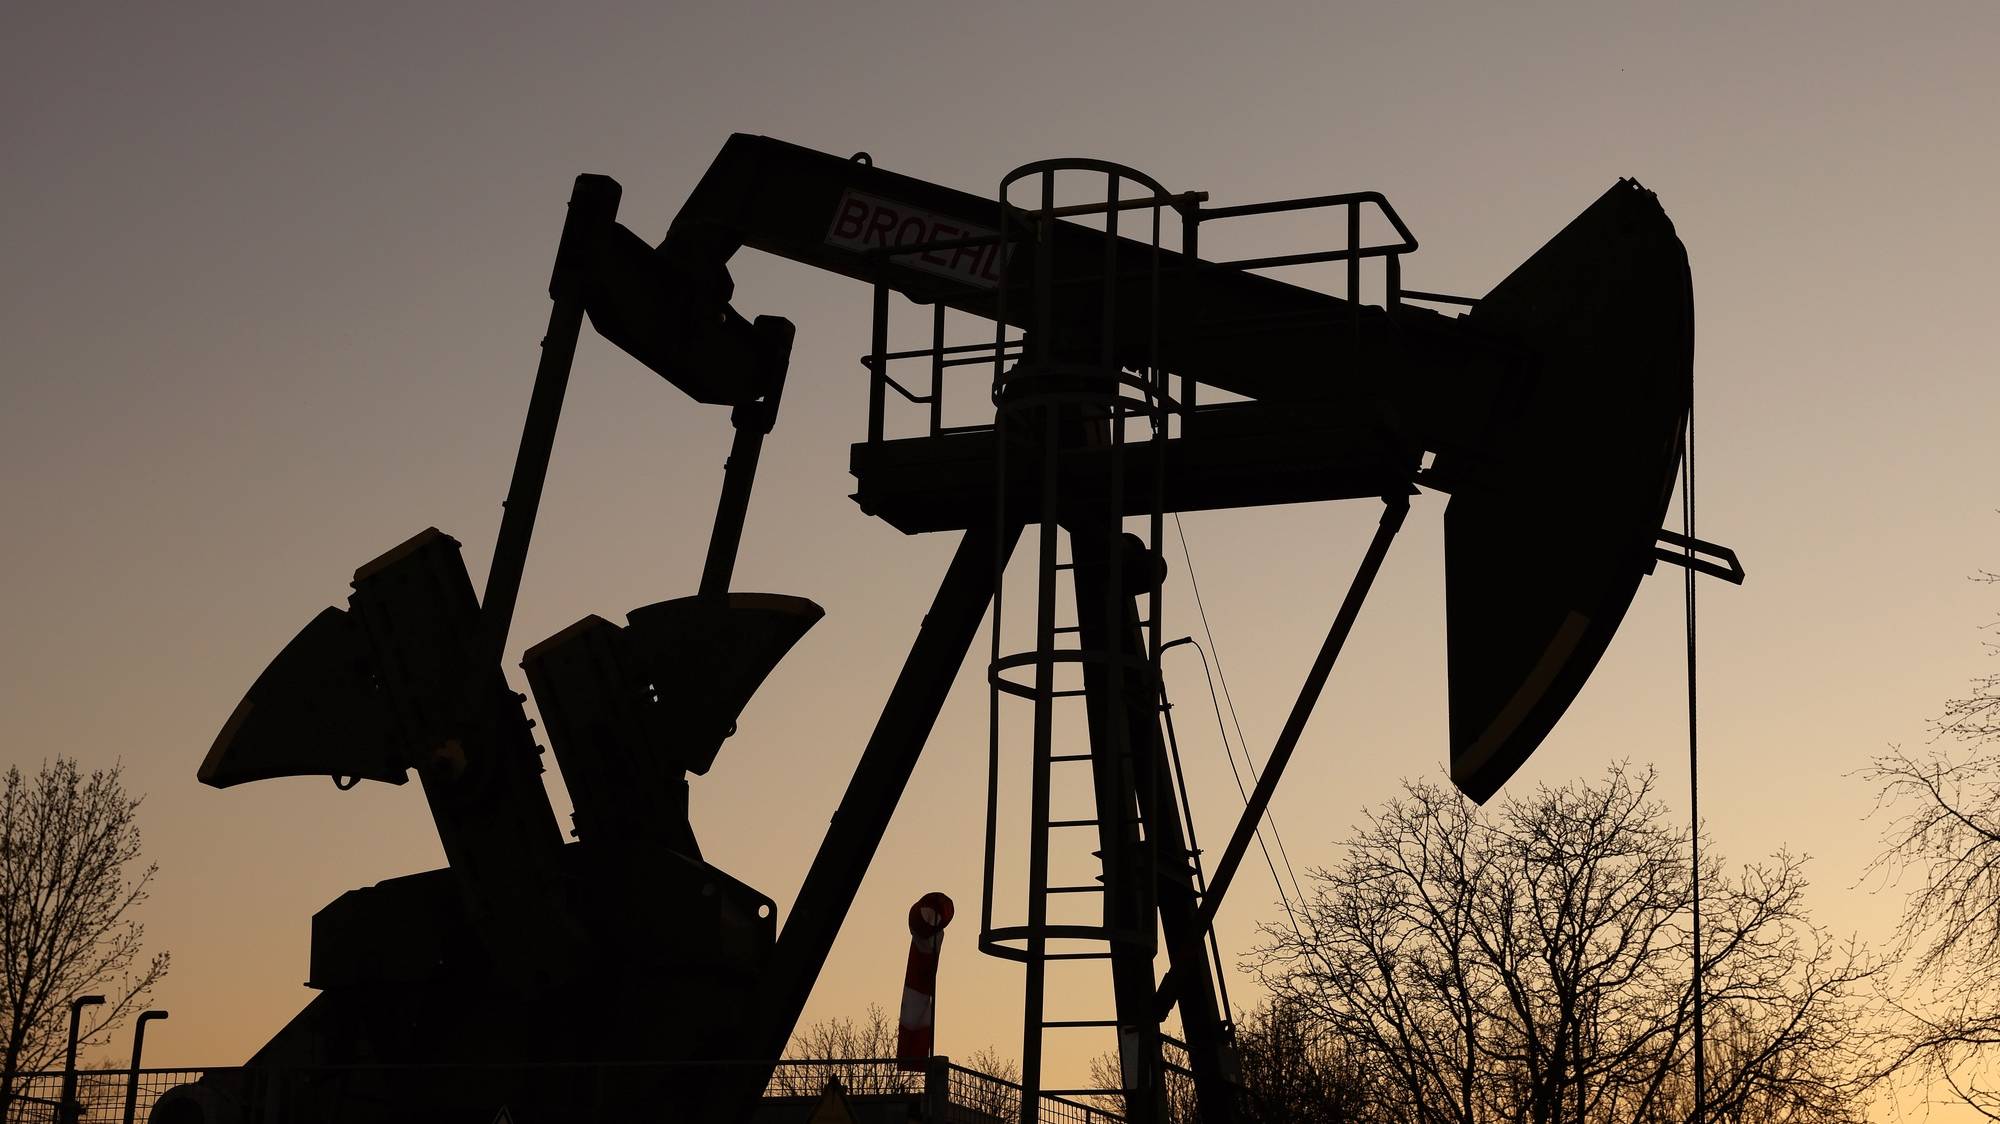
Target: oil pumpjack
[(1130, 378)]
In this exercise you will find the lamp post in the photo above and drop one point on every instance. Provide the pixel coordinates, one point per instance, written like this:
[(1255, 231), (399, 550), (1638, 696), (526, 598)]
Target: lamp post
[(69, 1108), (138, 1044)]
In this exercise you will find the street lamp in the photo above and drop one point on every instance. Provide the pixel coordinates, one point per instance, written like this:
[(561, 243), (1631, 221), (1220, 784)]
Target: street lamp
[(70, 1109), (138, 1044)]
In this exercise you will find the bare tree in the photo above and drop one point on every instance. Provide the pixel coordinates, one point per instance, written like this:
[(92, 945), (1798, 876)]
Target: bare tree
[(1943, 836), (1294, 1073), (1529, 962), (69, 883), (841, 1046), (1290, 1071), (856, 1052), (991, 1062), (1181, 1105), (998, 1099)]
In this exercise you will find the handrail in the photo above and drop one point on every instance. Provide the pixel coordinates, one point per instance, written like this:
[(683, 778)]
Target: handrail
[(1311, 202), (1016, 1086), (956, 349), (1083, 164), (1440, 298), (1194, 211), (1308, 258)]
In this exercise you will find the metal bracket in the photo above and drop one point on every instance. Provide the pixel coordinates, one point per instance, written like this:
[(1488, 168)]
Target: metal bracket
[(1689, 556)]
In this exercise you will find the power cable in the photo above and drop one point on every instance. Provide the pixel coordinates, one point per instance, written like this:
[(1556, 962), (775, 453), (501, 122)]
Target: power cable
[(1249, 763), (1240, 789), (1694, 787)]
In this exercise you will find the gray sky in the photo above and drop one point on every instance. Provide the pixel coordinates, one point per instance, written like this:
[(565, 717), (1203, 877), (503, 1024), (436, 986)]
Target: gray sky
[(275, 275)]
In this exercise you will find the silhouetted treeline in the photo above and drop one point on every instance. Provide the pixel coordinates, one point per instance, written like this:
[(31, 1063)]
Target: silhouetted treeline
[(1530, 961), (1941, 845)]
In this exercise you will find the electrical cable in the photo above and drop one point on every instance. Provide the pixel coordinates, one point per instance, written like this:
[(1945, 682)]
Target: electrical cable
[(1240, 789), (1249, 763), (1694, 788), (1242, 742)]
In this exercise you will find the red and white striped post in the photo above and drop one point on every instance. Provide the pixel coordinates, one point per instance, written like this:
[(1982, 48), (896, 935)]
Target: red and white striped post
[(916, 1030)]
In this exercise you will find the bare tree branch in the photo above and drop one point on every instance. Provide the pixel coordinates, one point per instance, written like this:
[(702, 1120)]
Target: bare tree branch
[(69, 883), (1528, 962), (1941, 844)]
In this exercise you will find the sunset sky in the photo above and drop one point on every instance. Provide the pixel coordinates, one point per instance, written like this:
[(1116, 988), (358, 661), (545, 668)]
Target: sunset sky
[(275, 275)]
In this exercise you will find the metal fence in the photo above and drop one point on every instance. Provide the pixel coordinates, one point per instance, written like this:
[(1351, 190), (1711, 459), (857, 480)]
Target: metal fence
[(858, 1077), (613, 1093), (101, 1094), (973, 1097)]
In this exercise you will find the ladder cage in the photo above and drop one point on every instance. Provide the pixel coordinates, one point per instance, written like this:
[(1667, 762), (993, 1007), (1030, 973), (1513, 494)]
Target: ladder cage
[(1083, 411), (1066, 396)]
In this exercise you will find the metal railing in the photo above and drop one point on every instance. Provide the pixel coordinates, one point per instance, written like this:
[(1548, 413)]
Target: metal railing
[(101, 1094), (598, 1092), (923, 370), (940, 357), (981, 1098)]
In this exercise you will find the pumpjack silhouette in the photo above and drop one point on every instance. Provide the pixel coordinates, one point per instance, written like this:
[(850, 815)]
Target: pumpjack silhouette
[(1552, 411)]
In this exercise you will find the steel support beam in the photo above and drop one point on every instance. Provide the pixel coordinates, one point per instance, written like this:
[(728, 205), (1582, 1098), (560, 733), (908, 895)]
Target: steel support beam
[(1133, 776), (593, 207), (877, 785), (1395, 507)]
